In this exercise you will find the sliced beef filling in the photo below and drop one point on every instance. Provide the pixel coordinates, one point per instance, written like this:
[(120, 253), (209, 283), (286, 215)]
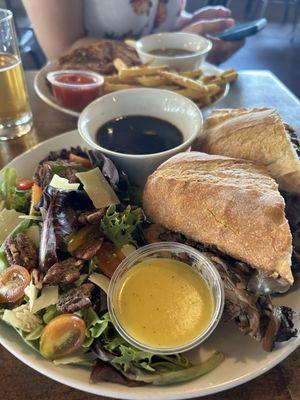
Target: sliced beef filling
[(292, 211), (292, 206), (254, 313), (294, 138)]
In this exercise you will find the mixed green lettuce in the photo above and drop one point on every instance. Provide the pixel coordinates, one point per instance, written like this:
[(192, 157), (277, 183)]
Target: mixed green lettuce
[(119, 226), (95, 326), (11, 197), (125, 356), (141, 366)]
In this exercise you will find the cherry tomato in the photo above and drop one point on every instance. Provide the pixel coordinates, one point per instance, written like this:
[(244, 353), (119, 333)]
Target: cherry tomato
[(13, 282), (62, 336), (24, 184)]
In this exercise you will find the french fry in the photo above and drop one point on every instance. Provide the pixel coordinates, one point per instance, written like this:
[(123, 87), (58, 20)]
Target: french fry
[(192, 74), (141, 71), (231, 78), (130, 42), (117, 79), (191, 94), (184, 81), (113, 87), (202, 89), (225, 77), (229, 75), (228, 71), (209, 78), (119, 64), (152, 81), (112, 78), (129, 80), (173, 88), (213, 89)]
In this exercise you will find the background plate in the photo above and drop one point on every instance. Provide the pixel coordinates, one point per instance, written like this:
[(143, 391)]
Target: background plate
[(245, 358), (42, 89)]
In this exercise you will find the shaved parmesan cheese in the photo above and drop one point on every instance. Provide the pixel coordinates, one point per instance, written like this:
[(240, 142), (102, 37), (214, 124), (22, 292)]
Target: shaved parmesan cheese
[(100, 280), (48, 297), (33, 232), (31, 292), (97, 188), (22, 318), (127, 249), (10, 318), (9, 220), (63, 184)]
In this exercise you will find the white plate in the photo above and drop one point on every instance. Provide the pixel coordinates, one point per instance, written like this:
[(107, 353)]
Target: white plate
[(245, 358), (42, 89)]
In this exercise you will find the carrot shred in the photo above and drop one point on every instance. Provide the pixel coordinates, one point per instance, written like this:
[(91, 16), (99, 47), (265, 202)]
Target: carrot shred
[(85, 162), (36, 193)]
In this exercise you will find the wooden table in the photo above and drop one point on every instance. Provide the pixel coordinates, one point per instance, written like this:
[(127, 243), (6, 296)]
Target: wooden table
[(19, 382)]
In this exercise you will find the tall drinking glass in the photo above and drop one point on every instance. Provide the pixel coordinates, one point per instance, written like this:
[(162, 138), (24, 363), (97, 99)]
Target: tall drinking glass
[(15, 112)]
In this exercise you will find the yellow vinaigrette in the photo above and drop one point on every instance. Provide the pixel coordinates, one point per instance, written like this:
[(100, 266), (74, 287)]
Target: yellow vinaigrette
[(163, 302)]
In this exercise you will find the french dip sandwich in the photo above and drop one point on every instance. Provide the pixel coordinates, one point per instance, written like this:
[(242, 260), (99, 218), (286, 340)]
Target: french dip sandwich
[(260, 135), (256, 134), (231, 210)]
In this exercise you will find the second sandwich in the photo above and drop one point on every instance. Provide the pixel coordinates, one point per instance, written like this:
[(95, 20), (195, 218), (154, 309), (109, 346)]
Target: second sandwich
[(231, 210)]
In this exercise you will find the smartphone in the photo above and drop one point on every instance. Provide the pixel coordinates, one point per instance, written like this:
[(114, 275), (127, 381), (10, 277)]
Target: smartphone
[(241, 31)]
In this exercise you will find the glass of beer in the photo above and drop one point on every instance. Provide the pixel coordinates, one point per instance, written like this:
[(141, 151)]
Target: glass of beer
[(15, 112)]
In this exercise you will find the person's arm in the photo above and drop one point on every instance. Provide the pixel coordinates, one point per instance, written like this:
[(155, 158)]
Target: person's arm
[(209, 21), (204, 13), (58, 25)]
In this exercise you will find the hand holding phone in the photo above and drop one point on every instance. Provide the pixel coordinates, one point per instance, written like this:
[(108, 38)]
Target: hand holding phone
[(241, 31)]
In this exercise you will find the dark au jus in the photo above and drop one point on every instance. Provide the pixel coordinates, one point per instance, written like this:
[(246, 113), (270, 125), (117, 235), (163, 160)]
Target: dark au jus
[(171, 52), (138, 134)]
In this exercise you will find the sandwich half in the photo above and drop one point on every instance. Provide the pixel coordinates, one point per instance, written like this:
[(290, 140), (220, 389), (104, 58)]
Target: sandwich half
[(231, 210), (256, 134), (260, 135)]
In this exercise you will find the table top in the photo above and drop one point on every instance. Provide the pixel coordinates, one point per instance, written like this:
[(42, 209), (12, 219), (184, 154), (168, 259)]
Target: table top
[(20, 382)]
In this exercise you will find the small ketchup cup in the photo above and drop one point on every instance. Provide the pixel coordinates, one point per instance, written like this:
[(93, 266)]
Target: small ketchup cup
[(75, 89)]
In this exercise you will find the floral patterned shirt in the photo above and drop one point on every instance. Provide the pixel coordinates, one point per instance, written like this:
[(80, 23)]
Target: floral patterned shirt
[(118, 19)]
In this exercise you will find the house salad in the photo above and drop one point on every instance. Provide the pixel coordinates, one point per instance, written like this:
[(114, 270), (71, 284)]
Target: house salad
[(63, 233)]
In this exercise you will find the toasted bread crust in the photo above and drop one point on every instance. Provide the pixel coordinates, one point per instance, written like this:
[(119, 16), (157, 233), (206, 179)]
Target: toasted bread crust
[(255, 134), (229, 203)]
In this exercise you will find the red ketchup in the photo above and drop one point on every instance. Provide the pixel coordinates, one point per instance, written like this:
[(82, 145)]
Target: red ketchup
[(75, 89)]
